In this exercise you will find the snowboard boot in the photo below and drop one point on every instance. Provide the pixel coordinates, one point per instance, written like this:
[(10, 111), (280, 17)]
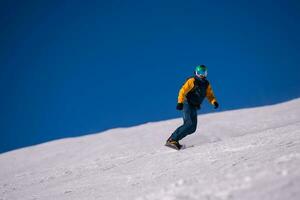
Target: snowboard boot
[(173, 144)]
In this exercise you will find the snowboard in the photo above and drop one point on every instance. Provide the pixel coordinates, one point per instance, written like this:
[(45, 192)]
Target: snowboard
[(173, 146), (182, 146)]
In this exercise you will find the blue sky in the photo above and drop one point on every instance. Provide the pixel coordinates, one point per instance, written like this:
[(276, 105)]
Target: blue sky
[(70, 68)]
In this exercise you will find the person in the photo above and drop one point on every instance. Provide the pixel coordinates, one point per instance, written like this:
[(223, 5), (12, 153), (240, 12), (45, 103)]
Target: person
[(190, 97)]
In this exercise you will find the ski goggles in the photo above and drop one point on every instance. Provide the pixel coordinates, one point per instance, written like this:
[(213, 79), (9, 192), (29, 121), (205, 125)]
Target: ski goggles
[(201, 72)]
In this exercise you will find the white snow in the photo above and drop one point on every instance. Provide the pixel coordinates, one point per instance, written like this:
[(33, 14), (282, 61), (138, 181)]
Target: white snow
[(247, 154)]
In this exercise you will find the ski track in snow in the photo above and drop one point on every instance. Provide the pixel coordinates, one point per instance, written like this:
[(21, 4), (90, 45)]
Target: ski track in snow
[(243, 154)]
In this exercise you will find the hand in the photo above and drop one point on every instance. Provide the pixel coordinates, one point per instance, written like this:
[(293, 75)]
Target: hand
[(179, 106), (216, 105)]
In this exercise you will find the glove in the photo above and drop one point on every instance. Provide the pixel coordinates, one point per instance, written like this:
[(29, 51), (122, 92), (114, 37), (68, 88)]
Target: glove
[(216, 105), (179, 106)]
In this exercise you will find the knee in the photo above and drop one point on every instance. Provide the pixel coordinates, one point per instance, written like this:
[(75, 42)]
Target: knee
[(191, 128)]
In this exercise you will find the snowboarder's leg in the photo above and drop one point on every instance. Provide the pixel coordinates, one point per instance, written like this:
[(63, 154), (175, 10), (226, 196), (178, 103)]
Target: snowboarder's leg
[(190, 123)]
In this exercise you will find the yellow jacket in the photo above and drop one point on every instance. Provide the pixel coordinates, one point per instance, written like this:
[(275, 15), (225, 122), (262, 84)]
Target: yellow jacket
[(196, 90)]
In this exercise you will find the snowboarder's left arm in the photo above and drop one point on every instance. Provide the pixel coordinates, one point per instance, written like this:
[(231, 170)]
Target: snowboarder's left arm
[(210, 95)]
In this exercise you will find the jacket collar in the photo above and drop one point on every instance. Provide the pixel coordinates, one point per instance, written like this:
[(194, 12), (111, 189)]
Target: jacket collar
[(200, 79)]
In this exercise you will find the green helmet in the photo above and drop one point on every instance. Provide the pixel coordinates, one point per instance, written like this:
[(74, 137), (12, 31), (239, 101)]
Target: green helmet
[(201, 70)]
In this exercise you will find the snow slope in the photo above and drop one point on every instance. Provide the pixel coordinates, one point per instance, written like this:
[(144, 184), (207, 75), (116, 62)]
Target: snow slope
[(243, 154)]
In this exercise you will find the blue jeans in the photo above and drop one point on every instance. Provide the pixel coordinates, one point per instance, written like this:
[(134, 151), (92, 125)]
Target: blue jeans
[(189, 122)]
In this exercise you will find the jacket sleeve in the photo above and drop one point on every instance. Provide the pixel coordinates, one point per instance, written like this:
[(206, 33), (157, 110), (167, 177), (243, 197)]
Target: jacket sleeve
[(210, 95), (187, 86)]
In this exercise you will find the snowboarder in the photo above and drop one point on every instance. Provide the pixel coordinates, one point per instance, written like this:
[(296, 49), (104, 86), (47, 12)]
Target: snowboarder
[(190, 97)]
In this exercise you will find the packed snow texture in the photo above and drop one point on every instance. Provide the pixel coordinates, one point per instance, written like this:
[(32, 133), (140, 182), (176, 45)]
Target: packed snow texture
[(243, 154)]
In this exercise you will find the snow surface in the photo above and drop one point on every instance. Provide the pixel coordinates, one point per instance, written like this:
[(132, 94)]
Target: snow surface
[(247, 154)]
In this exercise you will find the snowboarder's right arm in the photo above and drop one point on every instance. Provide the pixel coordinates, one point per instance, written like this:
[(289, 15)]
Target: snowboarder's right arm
[(187, 86)]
